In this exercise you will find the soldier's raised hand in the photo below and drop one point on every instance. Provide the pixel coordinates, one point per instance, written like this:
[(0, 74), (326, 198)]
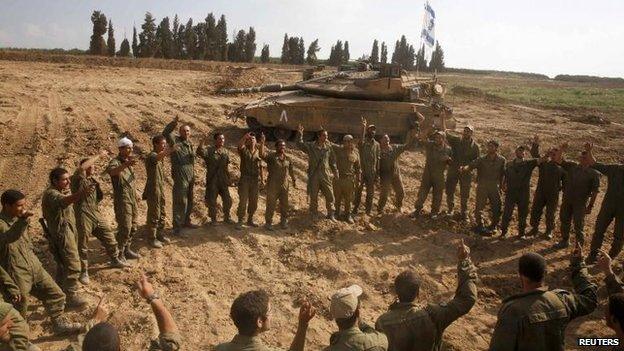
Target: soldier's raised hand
[(364, 122), (146, 289), (300, 129), (101, 312), (577, 253), (604, 262), (176, 118), (463, 251), (262, 138), (306, 313), (25, 214), (588, 146), (536, 139)]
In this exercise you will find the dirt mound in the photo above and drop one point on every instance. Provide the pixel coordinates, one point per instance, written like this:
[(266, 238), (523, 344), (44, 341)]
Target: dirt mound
[(242, 77)]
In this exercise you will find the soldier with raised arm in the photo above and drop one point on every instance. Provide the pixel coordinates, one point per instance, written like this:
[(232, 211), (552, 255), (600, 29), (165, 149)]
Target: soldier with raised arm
[(390, 172), (348, 164), (250, 178), (280, 168), (369, 159), (217, 160)]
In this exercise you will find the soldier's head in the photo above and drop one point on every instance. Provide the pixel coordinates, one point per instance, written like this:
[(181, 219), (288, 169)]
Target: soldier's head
[(125, 146), (370, 131), (492, 147), (102, 337), (250, 141), (13, 202), (347, 141), (185, 131), (438, 138), (520, 152), (219, 139), (584, 159), (384, 141), (407, 286), (555, 154), (614, 313), (468, 132), (321, 136), (250, 312), (59, 178), (345, 306), (159, 143), (6, 323), (280, 146), (532, 270)]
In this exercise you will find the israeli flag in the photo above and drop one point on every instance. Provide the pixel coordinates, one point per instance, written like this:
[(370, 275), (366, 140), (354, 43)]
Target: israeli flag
[(428, 31)]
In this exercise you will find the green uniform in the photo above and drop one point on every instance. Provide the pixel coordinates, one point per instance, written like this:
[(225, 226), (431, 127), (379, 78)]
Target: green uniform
[(154, 194), (437, 158), (124, 202), (62, 230), (183, 174), (348, 164), (518, 181), (245, 343), (390, 176), (20, 262), (278, 185), (89, 219), (546, 195), (362, 338), (8, 289), (321, 163), (463, 152), (537, 320), (490, 173), (369, 159), (18, 332), (409, 326), (611, 209), (249, 183), (217, 179), (578, 185), (165, 341)]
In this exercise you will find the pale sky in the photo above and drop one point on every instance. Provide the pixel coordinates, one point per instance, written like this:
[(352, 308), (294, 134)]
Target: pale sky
[(548, 36)]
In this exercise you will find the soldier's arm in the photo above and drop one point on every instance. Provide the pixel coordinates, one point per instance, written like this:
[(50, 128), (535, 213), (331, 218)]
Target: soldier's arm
[(379, 340), (18, 331), (306, 313), (92, 160), (166, 324), (116, 167), (11, 234), (168, 131), (166, 152), (332, 163), (535, 153), (595, 189), (291, 171), (584, 300), (503, 171), (465, 296), (606, 169), (9, 285)]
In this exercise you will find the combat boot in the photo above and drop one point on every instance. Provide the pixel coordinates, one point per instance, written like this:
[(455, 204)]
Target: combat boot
[(156, 244), (534, 232), (163, 239), (269, 227), (84, 278), (284, 223), (61, 326), (548, 235), (350, 219), (32, 347), (130, 255), (330, 216), (75, 301), (251, 223), (239, 225), (118, 263), (228, 220), (562, 244)]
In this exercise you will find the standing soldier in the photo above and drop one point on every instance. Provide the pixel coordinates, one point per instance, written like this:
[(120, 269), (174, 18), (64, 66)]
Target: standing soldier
[(182, 162), (279, 167), (348, 164), (217, 160), (89, 219), (463, 150), (549, 183), (611, 209), (321, 161), (250, 178), (154, 192), (61, 232), (389, 171), (517, 187), (490, 178), (369, 159), (124, 197)]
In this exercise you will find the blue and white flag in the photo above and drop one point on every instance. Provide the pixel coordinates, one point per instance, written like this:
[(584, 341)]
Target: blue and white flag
[(428, 31)]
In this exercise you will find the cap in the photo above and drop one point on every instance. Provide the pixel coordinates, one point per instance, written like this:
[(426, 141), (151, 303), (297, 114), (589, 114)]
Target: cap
[(345, 302), (469, 126), (493, 142), (371, 126), (5, 309), (123, 142), (347, 137)]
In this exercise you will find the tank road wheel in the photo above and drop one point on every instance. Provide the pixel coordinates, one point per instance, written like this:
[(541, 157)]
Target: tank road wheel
[(282, 133)]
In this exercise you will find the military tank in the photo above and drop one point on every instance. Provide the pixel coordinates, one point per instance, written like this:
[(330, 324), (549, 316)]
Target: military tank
[(387, 97)]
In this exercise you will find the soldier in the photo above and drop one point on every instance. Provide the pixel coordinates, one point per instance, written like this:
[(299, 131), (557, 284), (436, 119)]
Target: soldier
[(250, 179), (490, 177), (411, 326), (321, 160), (217, 160), (389, 171), (14, 330), (536, 318), (614, 313), (61, 232), (18, 259), (348, 164), (89, 219), (154, 192), (352, 334), (581, 183), (279, 166), (546, 194), (182, 171), (611, 208), (517, 187), (463, 150), (251, 314), (369, 158)]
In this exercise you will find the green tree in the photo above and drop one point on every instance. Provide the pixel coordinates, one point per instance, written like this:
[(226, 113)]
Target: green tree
[(97, 45), (265, 55), (222, 39), (147, 37), (437, 58), (384, 53), (211, 38), (346, 56), (311, 54), (250, 45), (177, 45), (300, 59), (293, 50), (124, 49), (374, 57), (421, 62), (200, 33), (164, 40), (285, 50), (336, 55), (190, 40), (110, 43), (236, 51), (135, 43)]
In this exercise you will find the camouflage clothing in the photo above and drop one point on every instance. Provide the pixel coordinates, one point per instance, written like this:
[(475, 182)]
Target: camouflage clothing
[(183, 173), (217, 179), (611, 209), (154, 194), (462, 153), (279, 168), (348, 164), (165, 341), (437, 158), (390, 175), (546, 194), (249, 183), (369, 159), (18, 332), (245, 343), (124, 202), (321, 163), (578, 185), (490, 173), (8, 289), (362, 338), (518, 183)]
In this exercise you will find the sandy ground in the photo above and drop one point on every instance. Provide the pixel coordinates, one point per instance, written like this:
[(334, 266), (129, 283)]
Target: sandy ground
[(53, 114)]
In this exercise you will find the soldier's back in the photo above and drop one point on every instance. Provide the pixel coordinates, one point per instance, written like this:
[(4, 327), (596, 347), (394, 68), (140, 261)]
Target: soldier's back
[(409, 327)]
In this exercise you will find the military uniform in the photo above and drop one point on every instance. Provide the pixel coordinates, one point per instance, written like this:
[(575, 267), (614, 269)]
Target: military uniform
[(249, 183), (20, 262), (437, 158), (611, 209), (362, 338), (348, 164), (217, 179), (536, 320), (578, 185), (89, 219), (278, 185), (245, 343), (124, 202), (409, 326), (518, 182), (390, 175), (490, 173), (18, 332), (463, 152), (369, 159), (321, 163), (8, 289), (62, 230), (165, 341), (546, 194), (182, 171), (154, 194)]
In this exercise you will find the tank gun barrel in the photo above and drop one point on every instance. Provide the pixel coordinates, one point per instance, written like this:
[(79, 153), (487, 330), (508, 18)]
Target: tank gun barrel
[(266, 88)]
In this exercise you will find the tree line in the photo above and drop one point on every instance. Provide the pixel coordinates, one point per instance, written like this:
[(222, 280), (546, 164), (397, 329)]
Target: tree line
[(405, 55)]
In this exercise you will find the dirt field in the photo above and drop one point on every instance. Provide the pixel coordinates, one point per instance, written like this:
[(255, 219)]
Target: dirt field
[(56, 113)]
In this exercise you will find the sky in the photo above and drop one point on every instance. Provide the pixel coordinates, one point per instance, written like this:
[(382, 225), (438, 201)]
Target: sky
[(548, 36)]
